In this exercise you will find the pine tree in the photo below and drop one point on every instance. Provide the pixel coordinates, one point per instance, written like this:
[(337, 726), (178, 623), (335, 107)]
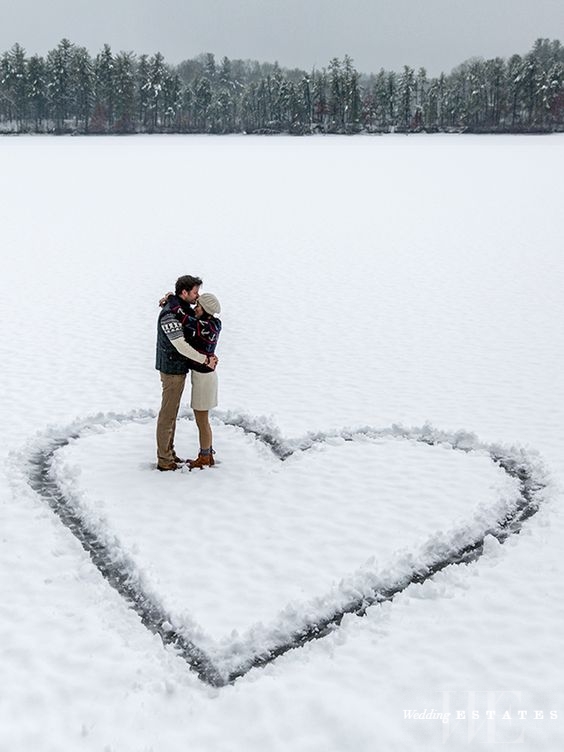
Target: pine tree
[(37, 90), (421, 87), (59, 82), (15, 84), (351, 97), (249, 116), (432, 118), (380, 100), (515, 73), (336, 96), (226, 103), (262, 103), (210, 68), (82, 77), (104, 91), (143, 85), (172, 100), (202, 102), (456, 100), (555, 93), (320, 100), (6, 103), (157, 74), (472, 78), (124, 92), (307, 104), (391, 97), (406, 95), (442, 96), (277, 96)]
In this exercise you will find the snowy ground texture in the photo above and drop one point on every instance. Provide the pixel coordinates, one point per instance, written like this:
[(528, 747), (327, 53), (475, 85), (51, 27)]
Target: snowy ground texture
[(393, 315)]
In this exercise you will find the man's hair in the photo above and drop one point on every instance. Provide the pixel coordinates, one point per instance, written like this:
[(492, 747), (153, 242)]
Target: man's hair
[(187, 282)]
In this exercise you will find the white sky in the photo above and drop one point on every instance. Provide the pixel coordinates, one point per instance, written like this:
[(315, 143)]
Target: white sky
[(437, 34)]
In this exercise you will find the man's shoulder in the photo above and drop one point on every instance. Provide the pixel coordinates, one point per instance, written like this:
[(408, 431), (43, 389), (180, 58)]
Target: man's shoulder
[(170, 325)]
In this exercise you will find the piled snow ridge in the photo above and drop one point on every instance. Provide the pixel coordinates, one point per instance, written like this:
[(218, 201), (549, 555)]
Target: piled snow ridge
[(218, 664)]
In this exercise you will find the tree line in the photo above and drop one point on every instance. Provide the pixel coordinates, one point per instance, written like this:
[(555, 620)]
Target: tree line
[(69, 91)]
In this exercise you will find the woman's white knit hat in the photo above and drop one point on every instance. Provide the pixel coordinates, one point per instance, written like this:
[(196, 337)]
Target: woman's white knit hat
[(209, 303)]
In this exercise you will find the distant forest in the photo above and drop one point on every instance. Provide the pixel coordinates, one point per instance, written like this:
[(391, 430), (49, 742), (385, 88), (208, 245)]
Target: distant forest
[(69, 91)]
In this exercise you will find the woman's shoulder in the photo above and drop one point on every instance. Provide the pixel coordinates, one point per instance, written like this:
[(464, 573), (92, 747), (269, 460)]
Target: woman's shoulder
[(210, 324)]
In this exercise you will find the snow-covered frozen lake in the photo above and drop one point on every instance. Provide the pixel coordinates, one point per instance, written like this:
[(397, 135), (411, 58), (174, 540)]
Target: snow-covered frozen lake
[(364, 282)]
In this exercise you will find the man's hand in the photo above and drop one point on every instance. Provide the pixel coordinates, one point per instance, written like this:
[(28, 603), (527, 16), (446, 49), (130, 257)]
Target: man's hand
[(164, 300)]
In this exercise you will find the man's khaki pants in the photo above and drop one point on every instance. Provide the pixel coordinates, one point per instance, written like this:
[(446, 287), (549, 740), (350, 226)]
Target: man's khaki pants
[(173, 386)]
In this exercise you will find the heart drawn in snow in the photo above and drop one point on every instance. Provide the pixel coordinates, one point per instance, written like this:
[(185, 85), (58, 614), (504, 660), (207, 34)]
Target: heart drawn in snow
[(235, 565)]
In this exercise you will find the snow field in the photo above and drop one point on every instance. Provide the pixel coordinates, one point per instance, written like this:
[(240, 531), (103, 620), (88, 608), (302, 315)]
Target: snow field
[(364, 282)]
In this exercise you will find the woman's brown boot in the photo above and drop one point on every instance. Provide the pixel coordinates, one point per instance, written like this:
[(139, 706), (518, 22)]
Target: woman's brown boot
[(204, 459)]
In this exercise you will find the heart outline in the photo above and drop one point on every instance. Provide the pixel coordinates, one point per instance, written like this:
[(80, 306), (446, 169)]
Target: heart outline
[(119, 571)]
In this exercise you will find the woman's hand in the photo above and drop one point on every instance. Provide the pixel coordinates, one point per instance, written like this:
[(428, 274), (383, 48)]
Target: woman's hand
[(164, 300), (211, 361)]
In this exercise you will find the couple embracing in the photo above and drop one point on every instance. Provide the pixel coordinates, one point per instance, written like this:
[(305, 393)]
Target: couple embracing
[(187, 334)]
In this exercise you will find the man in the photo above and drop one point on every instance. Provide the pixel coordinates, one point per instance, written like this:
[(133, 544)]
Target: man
[(173, 361)]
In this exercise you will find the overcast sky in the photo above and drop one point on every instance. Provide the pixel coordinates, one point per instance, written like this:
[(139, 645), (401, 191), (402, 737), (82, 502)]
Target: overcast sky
[(437, 34)]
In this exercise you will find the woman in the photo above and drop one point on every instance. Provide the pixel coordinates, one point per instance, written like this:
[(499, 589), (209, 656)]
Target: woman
[(201, 329)]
